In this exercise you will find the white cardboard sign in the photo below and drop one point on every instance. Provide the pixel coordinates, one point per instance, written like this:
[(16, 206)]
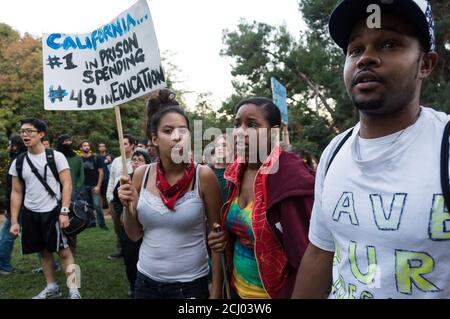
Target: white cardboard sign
[(115, 63)]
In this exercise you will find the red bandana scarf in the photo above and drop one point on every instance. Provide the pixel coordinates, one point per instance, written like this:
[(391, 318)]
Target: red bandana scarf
[(170, 194)]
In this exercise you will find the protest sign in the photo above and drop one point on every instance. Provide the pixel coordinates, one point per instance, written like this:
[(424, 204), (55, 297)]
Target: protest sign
[(113, 64), (279, 98)]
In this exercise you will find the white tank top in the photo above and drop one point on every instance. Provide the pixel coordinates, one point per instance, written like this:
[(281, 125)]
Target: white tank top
[(174, 242)]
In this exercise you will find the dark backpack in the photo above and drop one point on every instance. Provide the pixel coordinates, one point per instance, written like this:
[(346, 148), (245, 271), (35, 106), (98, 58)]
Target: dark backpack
[(80, 210), (444, 161)]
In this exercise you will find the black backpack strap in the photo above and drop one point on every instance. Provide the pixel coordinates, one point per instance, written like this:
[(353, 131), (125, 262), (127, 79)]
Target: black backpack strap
[(19, 166), (336, 150), (50, 156), (444, 165), (39, 177)]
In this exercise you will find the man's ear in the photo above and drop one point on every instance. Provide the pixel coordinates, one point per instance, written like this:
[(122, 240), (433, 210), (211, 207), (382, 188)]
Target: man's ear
[(427, 64)]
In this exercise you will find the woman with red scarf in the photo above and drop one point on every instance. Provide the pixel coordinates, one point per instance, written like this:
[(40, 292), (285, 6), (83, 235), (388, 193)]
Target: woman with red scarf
[(266, 216), (170, 201)]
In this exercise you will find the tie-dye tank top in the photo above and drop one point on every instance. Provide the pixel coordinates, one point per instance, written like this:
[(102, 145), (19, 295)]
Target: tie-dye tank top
[(245, 278)]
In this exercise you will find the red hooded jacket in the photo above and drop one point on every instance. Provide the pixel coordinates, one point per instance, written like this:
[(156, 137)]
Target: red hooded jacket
[(280, 217)]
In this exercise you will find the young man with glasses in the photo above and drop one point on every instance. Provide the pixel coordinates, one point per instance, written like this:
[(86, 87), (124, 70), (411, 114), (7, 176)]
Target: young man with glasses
[(42, 217)]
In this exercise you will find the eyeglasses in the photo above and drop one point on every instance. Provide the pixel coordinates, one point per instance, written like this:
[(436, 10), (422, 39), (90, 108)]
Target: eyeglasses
[(27, 131)]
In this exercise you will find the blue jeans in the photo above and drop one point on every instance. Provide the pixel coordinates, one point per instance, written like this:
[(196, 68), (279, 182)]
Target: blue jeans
[(95, 199), (146, 288), (6, 246)]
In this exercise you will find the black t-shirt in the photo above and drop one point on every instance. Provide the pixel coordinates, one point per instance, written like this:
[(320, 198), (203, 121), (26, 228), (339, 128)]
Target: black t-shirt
[(91, 165), (102, 159)]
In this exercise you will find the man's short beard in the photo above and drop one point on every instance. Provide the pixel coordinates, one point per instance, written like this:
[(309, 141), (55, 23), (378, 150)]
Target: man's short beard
[(368, 105)]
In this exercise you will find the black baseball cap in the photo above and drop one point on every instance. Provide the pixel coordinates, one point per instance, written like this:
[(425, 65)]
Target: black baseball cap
[(349, 12)]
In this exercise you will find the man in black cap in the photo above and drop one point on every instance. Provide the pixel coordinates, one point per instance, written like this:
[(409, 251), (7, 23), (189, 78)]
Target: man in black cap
[(379, 226)]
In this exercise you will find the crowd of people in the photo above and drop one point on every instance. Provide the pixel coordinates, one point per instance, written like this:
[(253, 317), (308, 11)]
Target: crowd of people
[(369, 220)]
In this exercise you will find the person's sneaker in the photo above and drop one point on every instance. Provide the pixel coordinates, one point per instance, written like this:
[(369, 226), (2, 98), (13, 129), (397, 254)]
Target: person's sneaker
[(104, 227), (48, 294), (6, 273), (91, 226), (74, 295)]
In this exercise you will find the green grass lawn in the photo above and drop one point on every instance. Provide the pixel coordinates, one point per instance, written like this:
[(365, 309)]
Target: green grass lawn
[(101, 278)]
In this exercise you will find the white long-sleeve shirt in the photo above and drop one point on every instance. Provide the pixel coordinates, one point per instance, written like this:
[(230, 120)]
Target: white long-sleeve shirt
[(114, 175)]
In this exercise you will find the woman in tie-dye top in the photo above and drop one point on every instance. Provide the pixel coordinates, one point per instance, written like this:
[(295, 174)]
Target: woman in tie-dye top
[(266, 217)]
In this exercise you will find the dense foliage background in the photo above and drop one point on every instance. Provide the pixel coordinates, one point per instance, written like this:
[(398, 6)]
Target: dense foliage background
[(308, 63)]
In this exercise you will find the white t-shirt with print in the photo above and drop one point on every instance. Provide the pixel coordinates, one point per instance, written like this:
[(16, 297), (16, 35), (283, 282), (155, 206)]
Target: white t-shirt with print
[(380, 209), (37, 199)]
